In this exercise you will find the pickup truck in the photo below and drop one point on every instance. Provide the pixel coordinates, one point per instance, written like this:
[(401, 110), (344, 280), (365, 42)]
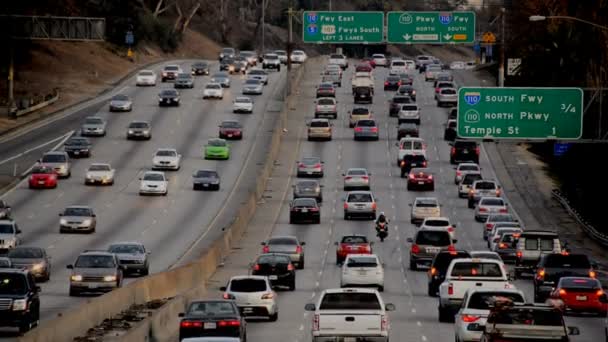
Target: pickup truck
[(467, 274), (363, 79), (350, 315), (338, 59)]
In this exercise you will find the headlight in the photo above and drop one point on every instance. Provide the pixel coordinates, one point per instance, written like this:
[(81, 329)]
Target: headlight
[(76, 278), (86, 222), (109, 278), (160, 99), (19, 304), (89, 176), (38, 267), (63, 221), (131, 131)]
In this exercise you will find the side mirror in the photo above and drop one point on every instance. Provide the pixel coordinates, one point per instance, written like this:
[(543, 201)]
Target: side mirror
[(410, 240), (181, 314), (223, 288), (303, 243), (573, 331), (389, 307), (70, 267), (454, 240), (396, 144), (321, 186), (60, 214), (410, 204), (310, 307), (93, 215)]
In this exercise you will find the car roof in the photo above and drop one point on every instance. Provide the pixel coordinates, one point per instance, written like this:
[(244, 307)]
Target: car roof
[(78, 206), (442, 218), (127, 243), (239, 277), (359, 192), (154, 173), (96, 252), (283, 237), (350, 290), (426, 199), (55, 153)]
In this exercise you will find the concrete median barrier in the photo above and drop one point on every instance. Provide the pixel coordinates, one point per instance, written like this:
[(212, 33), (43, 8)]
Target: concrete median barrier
[(182, 284)]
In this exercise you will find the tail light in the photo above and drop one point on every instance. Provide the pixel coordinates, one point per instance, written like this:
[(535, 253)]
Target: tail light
[(469, 318), (318, 165), (402, 163), (458, 173), (424, 163), (314, 209), (540, 274), (488, 226), (256, 267), (358, 129), (315, 323), (191, 324), (430, 177), (266, 249), (562, 292), (348, 178), (415, 249), (436, 90), (477, 150), (386, 83), (345, 205), (290, 267), (228, 296), (433, 271), (268, 295), (365, 177), (375, 129), (367, 248), (399, 83), (412, 176), (498, 192), (504, 210), (450, 229), (450, 289), (519, 254), (451, 248), (592, 274), (374, 206), (298, 249), (483, 210), (301, 165), (164, 73), (453, 151), (231, 323), (599, 292), (384, 324), (502, 245)]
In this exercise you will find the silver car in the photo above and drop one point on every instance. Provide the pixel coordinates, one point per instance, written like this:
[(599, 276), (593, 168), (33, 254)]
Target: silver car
[(222, 78), (308, 189), (77, 218), (409, 112), (259, 74), (356, 178), (100, 173), (289, 245), (463, 169), (59, 162), (310, 167), (95, 271), (366, 129), (132, 256), (206, 180), (9, 235), (34, 259), (447, 96), (424, 207), (490, 205), (139, 130), (253, 295), (464, 187), (122, 103), (93, 126), (360, 204), (184, 80), (253, 86), (431, 72)]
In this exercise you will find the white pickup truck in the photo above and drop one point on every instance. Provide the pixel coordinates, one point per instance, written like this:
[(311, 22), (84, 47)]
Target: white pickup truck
[(350, 315), (466, 274), (363, 79)]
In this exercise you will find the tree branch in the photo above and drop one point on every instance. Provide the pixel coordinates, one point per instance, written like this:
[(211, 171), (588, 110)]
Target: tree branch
[(192, 13)]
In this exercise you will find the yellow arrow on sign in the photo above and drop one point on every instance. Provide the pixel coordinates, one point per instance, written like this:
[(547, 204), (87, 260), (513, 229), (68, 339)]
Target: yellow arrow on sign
[(488, 37)]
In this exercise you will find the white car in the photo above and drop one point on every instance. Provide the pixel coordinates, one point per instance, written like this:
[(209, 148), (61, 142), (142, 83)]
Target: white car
[(410, 145), (298, 56), (153, 183), (490, 205), (100, 173), (166, 159), (282, 55), (397, 67), (424, 207), (362, 270), (457, 65), (464, 168), (439, 222), (339, 59), (145, 78), (380, 59), (485, 255), (242, 104), (271, 61), (410, 64), (258, 74), (253, 87), (253, 295), (213, 90), (9, 235)]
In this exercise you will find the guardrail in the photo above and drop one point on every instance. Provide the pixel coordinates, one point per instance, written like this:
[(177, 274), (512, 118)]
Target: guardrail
[(587, 227), (48, 100)]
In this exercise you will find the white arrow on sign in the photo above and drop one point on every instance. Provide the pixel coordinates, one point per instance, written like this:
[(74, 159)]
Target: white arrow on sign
[(407, 37), (447, 36)]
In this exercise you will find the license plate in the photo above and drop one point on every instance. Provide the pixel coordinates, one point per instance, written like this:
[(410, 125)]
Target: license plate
[(229, 135), (581, 298), (362, 272), (40, 182), (465, 152), (420, 183), (210, 325), (248, 310), (76, 152), (304, 210), (309, 172), (273, 277), (206, 185), (432, 249), (350, 339), (92, 286)]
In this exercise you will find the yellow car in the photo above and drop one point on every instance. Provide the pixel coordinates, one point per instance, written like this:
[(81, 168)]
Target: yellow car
[(358, 113)]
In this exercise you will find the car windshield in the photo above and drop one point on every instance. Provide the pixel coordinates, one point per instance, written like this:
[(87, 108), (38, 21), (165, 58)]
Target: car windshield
[(77, 141), (366, 123), (220, 75), (311, 161), (257, 72), (414, 158), (307, 184), (93, 121), (326, 86), (206, 174), (231, 124), (25, 253), (126, 249), (217, 143), (271, 57), (354, 239), (304, 202), (485, 185), (145, 73), (362, 262), (401, 99), (213, 86), (398, 63), (436, 223), (486, 255), (470, 178), (138, 125), (319, 123), (409, 107), (534, 243), (377, 56), (443, 260), (336, 56), (360, 111), (357, 173), (282, 241), (274, 259), (211, 309), (567, 261), (484, 300), (501, 218), (172, 68), (579, 283), (168, 92), (326, 102), (393, 78), (42, 170), (6, 228), (253, 82), (100, 167), (154, 177), (54, 158), (74, 211), (184, 76), (465, 167), (5, 263), (361, 198), (408, 127), (427, 203), (465, 144), (412, 145), (248, 285), (448, 91), (433, 238), (242, 100), (350, 301), (228, 50), (433, 67), (166, 153), (527, 316), (125, 97), (12, 284), (492, 201), (476, 269), (95, 261), (199, 65)]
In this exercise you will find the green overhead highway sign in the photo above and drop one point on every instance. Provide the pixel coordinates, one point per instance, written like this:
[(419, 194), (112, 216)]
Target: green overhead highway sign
[(430, 27), (520, 113), (342, 27)]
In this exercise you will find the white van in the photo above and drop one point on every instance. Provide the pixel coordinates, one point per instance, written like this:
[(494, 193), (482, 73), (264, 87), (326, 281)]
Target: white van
[(411, 145)]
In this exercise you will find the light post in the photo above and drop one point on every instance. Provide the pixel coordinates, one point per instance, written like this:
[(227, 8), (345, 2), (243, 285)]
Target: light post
[(263, 26), (565, 17), (501, 68)]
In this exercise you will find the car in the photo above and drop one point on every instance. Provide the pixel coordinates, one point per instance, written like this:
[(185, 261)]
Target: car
[(319, 129), (360, 204), (338, 59), (259, 74), (9, 235), (464, 187), (58, 161), (410, 64), (253, 86), (482, 188), (352, 244), (298, 56), (485, 255), (412, 161), (439, 222), (200, 68), (379, 60), (310, 167), (439, 266), (19, 289), (409, 113), (242, 104), (396, 102), (397, 66), (271, 61), (424, 207), (364, 94), (289, 245), (431, 72), (358, 113), (205, 179), (490, 205), (464, 151), (531, 245), (227, 53), (168, 97), (231, 129), (360, 270), (282, 56), (241, 64), (278, 268), (145, 78), (407, 79), (253, 295), (326, 89), (447, 96), (93, 126), (581, 294), (326, 107), (505, 246), (217, 149), (213, 91), (463, 169), (139, 130), (450, 133), (77, 218), (132, 256), (94, 272), (369, 61), (5, 210), (331, 68), (422, 60), (364, 67), (553, 266), (357, 179), (209, 319), (43, 177), (166, 159), (457, 65), (453, 113), (475, 309), (304, 210), (153, 183), (366, 129), (492, 219), (407, 90), (228, 64), (501, 228), (442, 84), (392, 82), (420, 177), (363, 79), (250, 56), (407, 130), (426, 244), (78, 147), (170, 72), (410, 145), (122, 102), (184, 80), (99, 173), (308, 189), (34, 259), (445, 76), (332, 76), (222, 78)]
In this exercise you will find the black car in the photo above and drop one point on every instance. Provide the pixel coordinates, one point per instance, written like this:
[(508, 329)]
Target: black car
[(304, 210), (19, 299), (411, 161), (212, 318), (200, 68), (392, 82), (439, 268), (363, 95), (78, 147), (278, 268), (453, 114), (206, 180), (406, 79), (407, 90), (551, 267), (168, 97), (226, 63), (449, 134), (464, 151), (396, 102), (407, 130)]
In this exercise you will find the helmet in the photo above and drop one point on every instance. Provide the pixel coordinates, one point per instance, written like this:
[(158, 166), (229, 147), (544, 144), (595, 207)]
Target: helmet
[(382, 213)]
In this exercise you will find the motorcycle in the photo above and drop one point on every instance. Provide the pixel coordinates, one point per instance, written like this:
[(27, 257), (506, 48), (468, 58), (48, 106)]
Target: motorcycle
[(382, 230)]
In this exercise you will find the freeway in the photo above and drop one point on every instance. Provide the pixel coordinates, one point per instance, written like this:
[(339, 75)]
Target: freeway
[(416, 317), (168, 226)]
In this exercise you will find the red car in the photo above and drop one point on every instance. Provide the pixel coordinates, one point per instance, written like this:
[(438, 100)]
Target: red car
[(420, 178), (352, 244), (369, 61), (364, 67), (231, 129), (581, 294), (43, 177)]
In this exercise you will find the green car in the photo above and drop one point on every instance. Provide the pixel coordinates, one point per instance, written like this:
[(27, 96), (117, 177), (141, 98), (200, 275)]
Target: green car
[(217, 149)]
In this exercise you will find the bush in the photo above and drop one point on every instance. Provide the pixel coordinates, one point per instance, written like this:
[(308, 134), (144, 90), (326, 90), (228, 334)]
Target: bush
[(159, 31)]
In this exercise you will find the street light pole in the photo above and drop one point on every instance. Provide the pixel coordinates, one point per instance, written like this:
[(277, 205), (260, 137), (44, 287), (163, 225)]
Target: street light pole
[(263, 26), (501, 68), (542, 18)]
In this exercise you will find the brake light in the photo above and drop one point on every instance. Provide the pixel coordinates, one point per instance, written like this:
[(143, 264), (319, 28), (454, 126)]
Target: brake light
[(519, 254), (599, 293), (424, 163), (436, 90), (269, 295), (375, 129), (458, 173), (386, 83), (365, 177), (315, 322), (450, 289), (374, 205), (488, 226), (504, 210), (399, 83), (562, 292), (301, 165), (415, 249), (348, 177), (318, 165), (266, 249), (191, 324), (290, 267), (451, 248), (345, 205), (540, 274), (412, 176), (384, 324), (502, 245), (358, 129), (232, 323), (453, 151), (430, 177), (256, 267), (228, 296), (433, 271), (592, 274), (402, 163), (483, 209), (469, 318), (314, 209), (298, 249), (477, 150), (497, 192), (450, 229)]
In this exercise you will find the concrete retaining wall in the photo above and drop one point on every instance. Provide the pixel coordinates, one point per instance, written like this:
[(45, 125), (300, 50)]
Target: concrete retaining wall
[(182, 284)]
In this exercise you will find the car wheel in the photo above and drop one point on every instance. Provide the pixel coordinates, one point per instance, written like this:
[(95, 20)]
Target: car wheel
[(274, 317), (380, 288), (318, 221), (373, 216), (471, 204), (346, 216), (431, 291), (409, 188), (145, 271), (72, 292), (432, 188), (338, 260), (517, 274), (25, 326), (301, 264), (413, 265), (292, 285), (291, 220), (444, 315)]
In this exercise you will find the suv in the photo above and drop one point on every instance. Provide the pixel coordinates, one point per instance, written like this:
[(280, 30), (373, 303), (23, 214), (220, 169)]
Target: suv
[(464, 151), (271, 61), (9, 235), (467, 181), (338, 59), (19, 299), (439, 267), (253, 295), (482, 188), (409, 112), (411, 161), (531, 245), (427, 243), (170, 72), (326, 106), (424, 207), (360, 203), (95, 271), (363, 94), (58, 161), (554, 266)]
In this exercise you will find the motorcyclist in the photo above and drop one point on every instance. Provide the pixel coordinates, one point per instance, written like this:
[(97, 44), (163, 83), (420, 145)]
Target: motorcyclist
[(381, 219)]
